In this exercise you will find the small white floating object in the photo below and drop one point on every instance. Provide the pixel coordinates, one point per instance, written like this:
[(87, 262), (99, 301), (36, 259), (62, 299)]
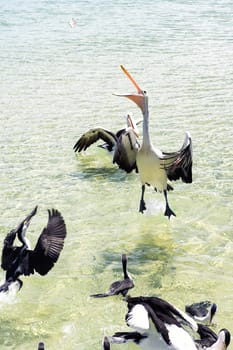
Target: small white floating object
[(72, 22)]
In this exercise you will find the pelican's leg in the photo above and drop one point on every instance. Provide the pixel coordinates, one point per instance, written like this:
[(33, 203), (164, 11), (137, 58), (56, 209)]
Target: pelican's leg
[(142, 206), (168, 212)]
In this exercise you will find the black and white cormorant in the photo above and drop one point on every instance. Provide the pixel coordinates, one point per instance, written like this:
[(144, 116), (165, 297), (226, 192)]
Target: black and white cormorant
[(203, 311), (154, 166), (157, 324), (21, 260), (209, 340), (124, 144), (119, 287), (41, 346)]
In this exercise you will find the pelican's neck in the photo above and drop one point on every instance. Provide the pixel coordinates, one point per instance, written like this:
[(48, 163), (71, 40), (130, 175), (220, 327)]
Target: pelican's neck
[(145, 112)]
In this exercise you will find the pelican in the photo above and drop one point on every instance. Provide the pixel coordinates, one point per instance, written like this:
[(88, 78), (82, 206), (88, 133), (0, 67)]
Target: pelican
[(41, 346), (124, 143), (209, 340), (157, 324), (154, 166), (21, 260), (119, 287), (203, 311)]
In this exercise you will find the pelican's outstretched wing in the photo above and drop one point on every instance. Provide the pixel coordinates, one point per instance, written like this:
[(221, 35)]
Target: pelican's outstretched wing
[(179, 164), (49, 244), (93, 135)]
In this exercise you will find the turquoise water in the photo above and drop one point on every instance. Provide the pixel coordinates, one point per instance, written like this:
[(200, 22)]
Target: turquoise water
[(56, 83)]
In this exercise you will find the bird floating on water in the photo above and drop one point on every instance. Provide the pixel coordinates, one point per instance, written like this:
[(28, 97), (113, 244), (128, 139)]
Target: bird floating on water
[(157, 324), (203, 311), (21, 260), (119, 287), (154, 166), (124, 143), (41, 346)]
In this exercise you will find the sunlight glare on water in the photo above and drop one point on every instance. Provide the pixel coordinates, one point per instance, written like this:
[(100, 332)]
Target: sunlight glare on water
[(57, 81)]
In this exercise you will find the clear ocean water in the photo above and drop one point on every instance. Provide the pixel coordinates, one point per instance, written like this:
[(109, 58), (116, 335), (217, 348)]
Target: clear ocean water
[(56, 83)]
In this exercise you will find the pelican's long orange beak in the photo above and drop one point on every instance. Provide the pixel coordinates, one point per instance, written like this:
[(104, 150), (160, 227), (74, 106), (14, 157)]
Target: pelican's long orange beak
[(131, 79), (139, 97)]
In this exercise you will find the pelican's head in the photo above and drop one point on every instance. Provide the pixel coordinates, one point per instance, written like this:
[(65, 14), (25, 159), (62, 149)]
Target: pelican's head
[(140, 97)]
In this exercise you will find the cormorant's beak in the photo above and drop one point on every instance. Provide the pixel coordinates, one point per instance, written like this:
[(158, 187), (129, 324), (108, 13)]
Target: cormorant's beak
[(139, 97), (25, 223), (29, 217)]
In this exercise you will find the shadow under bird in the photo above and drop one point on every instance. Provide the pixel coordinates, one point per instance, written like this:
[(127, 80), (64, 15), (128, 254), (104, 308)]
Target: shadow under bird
[(157, 324), (119, 287), (203, 311), (154, 166), (124, 143), (209, 340), (21, 260)]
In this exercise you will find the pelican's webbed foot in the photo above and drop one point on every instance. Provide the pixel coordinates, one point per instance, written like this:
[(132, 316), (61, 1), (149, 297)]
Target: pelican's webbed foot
[(168, 211)]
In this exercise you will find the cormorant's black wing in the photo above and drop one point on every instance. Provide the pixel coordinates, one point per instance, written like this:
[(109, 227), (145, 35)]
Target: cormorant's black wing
[(49, 244), (207, 335), (198, 309), (93, 135)]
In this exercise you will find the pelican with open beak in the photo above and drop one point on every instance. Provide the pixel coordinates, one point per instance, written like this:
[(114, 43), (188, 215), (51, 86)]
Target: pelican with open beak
[(154, 166)]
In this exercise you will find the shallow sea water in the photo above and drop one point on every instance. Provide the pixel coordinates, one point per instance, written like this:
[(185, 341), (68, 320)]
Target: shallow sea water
[(56, 83)]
